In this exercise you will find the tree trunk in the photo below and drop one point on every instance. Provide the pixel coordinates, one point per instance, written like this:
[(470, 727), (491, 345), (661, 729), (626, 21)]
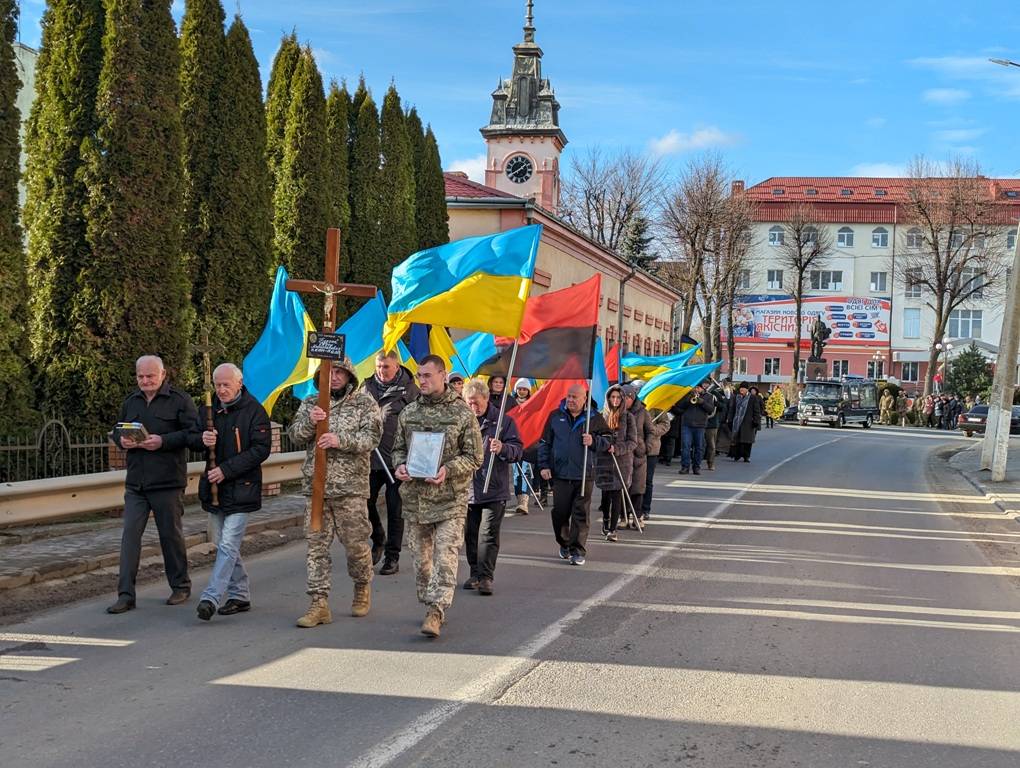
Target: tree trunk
[(707, 324), (799, 303)]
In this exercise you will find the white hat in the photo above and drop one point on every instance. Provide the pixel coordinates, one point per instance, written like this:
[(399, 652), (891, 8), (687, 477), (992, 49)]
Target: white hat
[(522, 384)]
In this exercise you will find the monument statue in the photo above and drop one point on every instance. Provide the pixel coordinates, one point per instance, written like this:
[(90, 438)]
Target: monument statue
[(820, 332)]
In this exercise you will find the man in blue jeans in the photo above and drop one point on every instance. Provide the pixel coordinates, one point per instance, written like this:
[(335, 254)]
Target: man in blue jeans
[(695, 408), (240, 440)]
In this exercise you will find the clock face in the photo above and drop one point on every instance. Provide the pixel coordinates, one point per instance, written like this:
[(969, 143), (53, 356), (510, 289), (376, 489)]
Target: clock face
[(519, 169)]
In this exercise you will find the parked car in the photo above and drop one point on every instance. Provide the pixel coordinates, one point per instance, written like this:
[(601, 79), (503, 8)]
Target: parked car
[(790, 413), (974, 420)]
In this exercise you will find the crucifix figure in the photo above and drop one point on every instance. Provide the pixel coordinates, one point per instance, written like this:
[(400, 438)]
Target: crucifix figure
[(330, 287)]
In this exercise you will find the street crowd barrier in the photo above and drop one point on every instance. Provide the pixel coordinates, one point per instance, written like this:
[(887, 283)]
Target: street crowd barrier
[(41, 501)]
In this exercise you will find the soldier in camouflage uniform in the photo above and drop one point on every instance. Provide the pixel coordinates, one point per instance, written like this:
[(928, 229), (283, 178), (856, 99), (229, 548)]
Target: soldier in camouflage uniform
[(435, 509), (355, 426)]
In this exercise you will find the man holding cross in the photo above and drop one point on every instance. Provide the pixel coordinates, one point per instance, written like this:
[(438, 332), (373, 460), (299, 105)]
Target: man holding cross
[(353, 432)]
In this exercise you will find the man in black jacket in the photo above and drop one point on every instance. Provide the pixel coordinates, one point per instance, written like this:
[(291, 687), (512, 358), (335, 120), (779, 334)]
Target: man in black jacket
[(486, 510), (157, 473), (393, 388), (561, 452), (241, 439), (695, 408)]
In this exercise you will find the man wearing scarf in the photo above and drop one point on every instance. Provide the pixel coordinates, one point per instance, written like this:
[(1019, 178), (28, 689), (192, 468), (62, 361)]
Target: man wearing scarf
[(744, 418)]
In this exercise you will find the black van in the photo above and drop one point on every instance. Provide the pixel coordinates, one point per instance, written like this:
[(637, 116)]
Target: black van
[(838, 403)]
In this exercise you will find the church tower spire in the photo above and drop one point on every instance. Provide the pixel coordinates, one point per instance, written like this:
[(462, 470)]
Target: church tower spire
[(523, 137)]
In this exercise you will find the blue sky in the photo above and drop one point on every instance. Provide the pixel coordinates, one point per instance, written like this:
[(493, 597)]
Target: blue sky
[(791, 88)]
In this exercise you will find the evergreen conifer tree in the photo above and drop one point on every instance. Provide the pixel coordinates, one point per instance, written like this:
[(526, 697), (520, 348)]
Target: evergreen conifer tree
[(238, 279), (301, 201), (278, 102), (132, 298), (16, 391), (433, 226), (338, 105), (969, 373), (365, 249), (202, 64), (62, 120), (396, 186), (636, 245)]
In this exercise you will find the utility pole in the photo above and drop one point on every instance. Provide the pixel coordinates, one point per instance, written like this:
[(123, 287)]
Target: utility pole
[(995, 448)]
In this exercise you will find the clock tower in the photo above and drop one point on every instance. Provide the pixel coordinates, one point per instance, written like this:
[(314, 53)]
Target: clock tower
[(523, 137)]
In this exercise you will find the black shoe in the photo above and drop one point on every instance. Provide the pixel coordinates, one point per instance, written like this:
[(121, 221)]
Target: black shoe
[(684, 470), (747, 460), (205, 610), (697, 471), (377, 553), (564, 553), (664, 462), (645, 517), (232, 606), (179, 596), (471, 583), (543, 499), (123, 605), (389, 567), (485, 586)]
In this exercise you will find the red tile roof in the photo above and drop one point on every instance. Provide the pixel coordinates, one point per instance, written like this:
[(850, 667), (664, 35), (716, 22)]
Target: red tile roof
[(856, 199), (459, 185)]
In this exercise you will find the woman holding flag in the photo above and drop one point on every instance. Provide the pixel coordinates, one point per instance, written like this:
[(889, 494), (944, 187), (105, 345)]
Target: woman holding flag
[(614, 465)]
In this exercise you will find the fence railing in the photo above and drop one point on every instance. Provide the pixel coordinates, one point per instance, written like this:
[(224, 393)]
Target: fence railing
[(54, 451)]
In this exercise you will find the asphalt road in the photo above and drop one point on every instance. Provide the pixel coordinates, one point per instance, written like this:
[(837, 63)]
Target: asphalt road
[(832, 603)]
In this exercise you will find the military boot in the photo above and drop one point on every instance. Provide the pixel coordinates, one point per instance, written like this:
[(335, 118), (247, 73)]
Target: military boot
[(522, 503), (433, 622), (317, 613), (362, 600)]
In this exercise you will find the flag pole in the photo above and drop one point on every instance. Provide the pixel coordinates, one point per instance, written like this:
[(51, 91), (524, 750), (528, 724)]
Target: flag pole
[(524, 476), (587, 424), (382, 461), (628, 504), (502, 412)]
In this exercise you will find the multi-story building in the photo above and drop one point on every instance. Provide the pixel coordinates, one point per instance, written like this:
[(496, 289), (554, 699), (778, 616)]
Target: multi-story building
[(881, 328)]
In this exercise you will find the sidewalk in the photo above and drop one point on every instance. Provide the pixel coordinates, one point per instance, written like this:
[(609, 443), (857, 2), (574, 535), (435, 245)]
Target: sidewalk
[(32, 554), (1005, 495)]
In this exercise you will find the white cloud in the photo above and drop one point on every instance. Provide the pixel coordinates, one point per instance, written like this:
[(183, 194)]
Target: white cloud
[(953, 135), (879, 170), (474, 167), (945, 96), (676, 142)]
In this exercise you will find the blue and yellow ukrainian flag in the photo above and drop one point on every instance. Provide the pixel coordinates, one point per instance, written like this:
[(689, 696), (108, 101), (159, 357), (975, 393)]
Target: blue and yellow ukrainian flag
[(645, 367), (364, 331), (478, 284), (278, 359), (666, 389)]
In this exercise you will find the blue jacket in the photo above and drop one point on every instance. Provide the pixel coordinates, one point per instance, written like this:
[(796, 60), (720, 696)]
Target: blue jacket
[(561, 449), (513, 449)]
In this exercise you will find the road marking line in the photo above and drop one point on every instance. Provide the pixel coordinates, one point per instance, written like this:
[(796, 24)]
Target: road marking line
[(23, 637), (522, 661), (20, 663)]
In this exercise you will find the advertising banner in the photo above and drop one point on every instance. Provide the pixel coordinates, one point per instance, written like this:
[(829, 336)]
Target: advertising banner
[(854, 320)]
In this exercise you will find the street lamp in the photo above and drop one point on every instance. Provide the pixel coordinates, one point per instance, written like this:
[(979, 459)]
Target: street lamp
[(1000, 407), (945, 347), (877, 360)]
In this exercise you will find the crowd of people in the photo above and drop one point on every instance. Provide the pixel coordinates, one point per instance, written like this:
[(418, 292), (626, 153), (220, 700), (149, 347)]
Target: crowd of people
[(369, 444)]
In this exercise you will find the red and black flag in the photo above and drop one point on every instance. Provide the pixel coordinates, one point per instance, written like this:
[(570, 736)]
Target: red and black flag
[(557, 338)]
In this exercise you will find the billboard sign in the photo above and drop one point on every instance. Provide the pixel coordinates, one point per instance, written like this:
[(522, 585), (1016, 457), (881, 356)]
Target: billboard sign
[(854, 320)]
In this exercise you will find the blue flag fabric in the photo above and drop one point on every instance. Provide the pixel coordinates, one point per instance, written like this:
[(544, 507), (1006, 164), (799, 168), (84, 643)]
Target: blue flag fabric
[(599, 376)]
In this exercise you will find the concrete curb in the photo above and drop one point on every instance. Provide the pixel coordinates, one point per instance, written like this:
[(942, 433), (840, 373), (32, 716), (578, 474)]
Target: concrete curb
[(946, 454), (195, 542)]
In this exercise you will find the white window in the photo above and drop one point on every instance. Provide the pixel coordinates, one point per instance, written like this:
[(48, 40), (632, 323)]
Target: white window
[(879, 237), (840, 368), (744, 280), (876, 369), (771, 366), (809, 235), (911, 323), (826, 280), (914, 285), (1011, 239), (775, 279), (878, 281), (965, 324), (955, 239), (972, 281), (910, 371), (739, 366), (776, 235), (845, 237), (914, 238)]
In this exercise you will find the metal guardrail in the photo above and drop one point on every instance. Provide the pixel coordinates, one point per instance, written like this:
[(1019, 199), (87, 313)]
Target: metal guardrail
[(40, 501)]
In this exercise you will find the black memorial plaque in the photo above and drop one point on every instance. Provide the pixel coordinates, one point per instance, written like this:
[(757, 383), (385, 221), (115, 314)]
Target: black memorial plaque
[(326, 346)]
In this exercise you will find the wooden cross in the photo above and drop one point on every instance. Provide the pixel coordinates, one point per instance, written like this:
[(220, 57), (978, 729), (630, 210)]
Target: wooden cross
[(206, 348), (330, 287)]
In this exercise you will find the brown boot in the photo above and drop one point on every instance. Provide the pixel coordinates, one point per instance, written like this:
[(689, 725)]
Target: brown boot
[(433, 622), (317, 613), (362, 600)]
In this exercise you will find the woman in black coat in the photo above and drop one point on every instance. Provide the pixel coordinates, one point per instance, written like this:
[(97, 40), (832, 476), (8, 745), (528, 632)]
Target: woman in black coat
[(622, 438), (744, 419)]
